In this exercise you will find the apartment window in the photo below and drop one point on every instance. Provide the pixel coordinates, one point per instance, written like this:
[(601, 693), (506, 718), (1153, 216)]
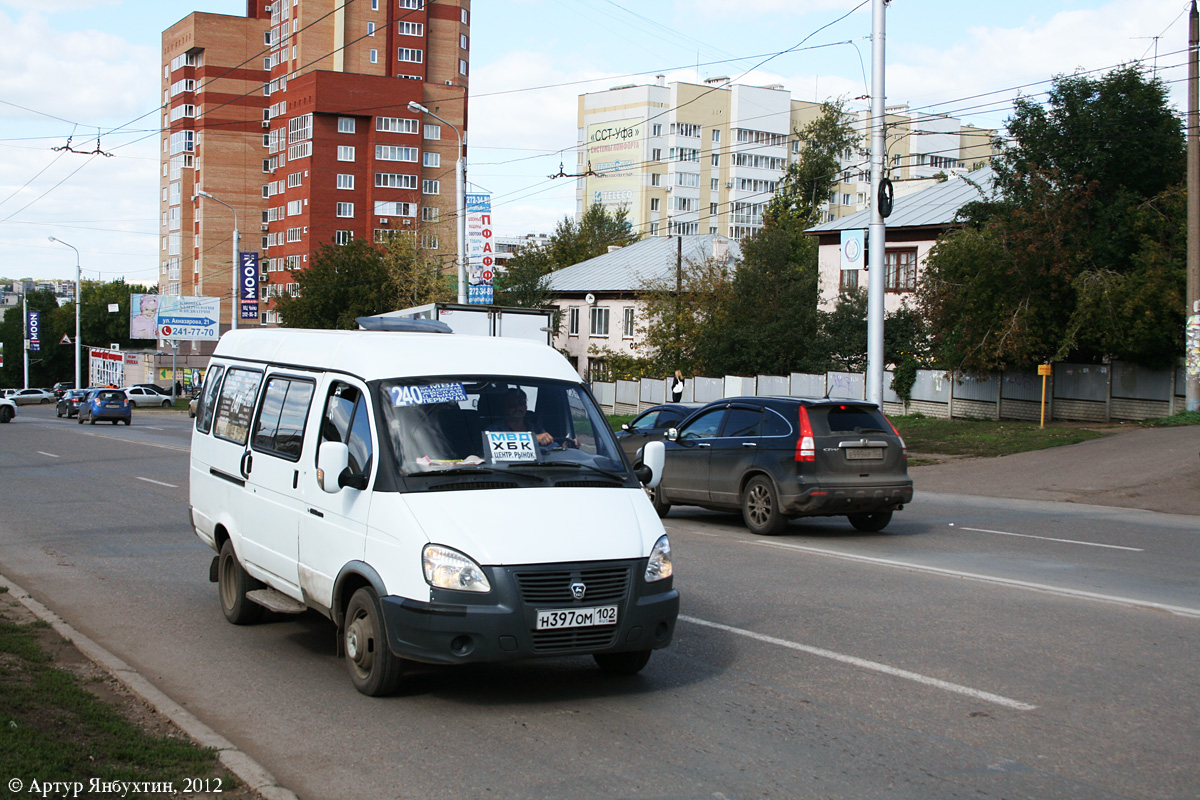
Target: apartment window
[(346, 152), (627, 324), (294, 208), (716, 160), (345, 209), (410, 3), (431, 187), (848, 282), (655, 179), (572, 321), (654, 204), (343, 237), (656, 129), (429, 242), (345, 181), (714, 185), (462, 67), (900, 273), (656, 154), (385, 152), (410, 54), (599, 322), (395, 125), (393, 180), (370, 29), (433, 132), (295, 179), (411, 28), (716, 135), (345, 124), (374, 5), (392, 208), (293, 234), (712, 209), (432, 159), (429, 214), (374, 56)]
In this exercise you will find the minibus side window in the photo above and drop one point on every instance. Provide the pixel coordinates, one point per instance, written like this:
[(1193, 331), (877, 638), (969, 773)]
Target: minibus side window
[(280, 426), (208, 398), (235, 405), (346, 421)]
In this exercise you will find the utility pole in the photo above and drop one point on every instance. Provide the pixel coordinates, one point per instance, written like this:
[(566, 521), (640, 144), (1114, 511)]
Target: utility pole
[(1192, 330), (877, 244)]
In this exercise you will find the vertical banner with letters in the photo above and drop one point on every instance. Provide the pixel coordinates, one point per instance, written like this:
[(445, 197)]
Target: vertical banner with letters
[(34, 331), (248, 282), (481, 250)]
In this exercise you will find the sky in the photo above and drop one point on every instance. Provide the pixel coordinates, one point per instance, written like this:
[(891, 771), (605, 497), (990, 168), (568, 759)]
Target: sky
[(86, 73)]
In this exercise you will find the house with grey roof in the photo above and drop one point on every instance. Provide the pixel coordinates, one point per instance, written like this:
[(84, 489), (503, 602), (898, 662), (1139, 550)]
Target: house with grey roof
[(600, 299), (916, 222)]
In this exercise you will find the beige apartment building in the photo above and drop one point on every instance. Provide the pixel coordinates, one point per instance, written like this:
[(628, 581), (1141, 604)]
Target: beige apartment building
[(705, 159)]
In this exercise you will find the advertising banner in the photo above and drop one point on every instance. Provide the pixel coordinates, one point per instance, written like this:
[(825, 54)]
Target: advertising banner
[(143, 316), (853, 250), (34, 331), (614, 151), (194, 318), (481, 249), (248, 286)]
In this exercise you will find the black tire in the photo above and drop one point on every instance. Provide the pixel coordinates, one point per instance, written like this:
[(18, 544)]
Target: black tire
[(115, 421), (79, 419), (233, 583), (661, 507), (45, 400), (58, 411), (760, 508), (128, 421), (6, 414), (374, 669), (872, 522), (133, 404), (92, 420), (628, 663)]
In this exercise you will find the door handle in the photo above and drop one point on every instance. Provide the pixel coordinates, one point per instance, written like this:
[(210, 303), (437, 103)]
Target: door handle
[(247, 464), (749, 444), (703, 444)]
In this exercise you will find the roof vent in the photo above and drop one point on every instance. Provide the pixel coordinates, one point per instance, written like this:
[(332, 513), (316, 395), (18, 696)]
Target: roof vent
[(613, 247)]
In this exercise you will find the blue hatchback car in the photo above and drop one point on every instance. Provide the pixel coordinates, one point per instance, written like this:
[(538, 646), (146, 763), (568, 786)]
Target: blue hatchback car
[(105, 404)]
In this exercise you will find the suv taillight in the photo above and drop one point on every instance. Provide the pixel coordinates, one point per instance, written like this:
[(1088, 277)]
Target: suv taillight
[(903, 446), (806, 447)]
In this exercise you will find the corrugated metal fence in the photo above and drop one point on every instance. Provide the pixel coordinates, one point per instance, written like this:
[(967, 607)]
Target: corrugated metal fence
[(1082, 392)]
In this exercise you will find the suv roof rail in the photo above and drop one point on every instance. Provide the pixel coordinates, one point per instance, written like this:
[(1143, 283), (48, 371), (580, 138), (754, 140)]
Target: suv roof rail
[(404, 324)]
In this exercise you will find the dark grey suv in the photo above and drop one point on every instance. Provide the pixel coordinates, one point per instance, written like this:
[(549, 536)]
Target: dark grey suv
[(776, 458)]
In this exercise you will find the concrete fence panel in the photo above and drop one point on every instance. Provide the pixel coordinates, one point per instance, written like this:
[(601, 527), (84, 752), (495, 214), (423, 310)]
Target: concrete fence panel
[(850, 385), (773, 385), (931, 386), (1135, 382), (806, 384), (738, 386), (708, 389), (1081, 382), (1018, 385)]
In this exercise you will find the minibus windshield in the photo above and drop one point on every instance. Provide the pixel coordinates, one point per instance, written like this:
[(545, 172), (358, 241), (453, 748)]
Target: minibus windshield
[(489, 424)]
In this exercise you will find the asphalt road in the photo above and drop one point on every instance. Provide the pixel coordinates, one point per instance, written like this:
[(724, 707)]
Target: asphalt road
[(978, 647)]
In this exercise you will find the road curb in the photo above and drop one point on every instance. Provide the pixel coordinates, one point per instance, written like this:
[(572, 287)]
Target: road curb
[(243, 766)]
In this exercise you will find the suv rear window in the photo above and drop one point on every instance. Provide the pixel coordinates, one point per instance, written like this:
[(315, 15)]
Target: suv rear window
[(856, 419)]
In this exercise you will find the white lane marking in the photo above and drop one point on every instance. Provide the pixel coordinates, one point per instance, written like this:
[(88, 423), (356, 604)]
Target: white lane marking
[(49, 455), (1052, 539), (1183, 611), (159, 483), (176, 448), (871, 665)]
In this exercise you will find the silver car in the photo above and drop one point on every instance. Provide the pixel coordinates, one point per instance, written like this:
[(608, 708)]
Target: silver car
[(28, 397)]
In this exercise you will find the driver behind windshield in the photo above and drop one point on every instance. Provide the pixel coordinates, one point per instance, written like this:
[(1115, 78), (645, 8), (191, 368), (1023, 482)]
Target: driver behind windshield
[(514, 416)]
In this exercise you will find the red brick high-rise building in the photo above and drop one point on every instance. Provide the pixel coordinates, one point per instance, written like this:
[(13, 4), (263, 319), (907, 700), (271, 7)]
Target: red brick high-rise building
[(297, 117)]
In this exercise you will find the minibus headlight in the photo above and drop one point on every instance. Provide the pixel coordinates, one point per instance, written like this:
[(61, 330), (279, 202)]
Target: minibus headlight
[(659, 566), (449, 569)]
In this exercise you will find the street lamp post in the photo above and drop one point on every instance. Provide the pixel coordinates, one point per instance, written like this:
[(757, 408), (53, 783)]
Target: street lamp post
[(460, 170), (233, 264), (78, 300)]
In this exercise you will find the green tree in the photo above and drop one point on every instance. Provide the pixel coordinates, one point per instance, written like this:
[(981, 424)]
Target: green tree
[(341, 283), (809, 179), (416, 277), (1078, 255), (525, 280), (596, 231)]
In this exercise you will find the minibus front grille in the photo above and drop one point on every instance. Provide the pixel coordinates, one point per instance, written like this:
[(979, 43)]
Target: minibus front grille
[(463, 486), (588, 639), (605, 584)]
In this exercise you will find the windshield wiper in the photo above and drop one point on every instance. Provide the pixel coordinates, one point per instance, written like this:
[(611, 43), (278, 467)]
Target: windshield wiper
[(574, 465), (449, 471)]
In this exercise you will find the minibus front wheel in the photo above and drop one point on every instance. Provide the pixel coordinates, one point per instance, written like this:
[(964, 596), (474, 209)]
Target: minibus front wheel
[(374, 669)]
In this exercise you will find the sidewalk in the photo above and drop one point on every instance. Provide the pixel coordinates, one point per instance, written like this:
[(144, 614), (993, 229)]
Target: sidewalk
[(1157, 469)]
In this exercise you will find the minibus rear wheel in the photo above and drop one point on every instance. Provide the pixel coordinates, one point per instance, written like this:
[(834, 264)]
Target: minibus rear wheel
[(375, 670), (232, 585)]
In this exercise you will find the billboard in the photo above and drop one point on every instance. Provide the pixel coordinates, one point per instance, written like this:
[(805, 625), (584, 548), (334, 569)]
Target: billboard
[(143, 316), (481, 249), (615, 150), (248, 286), (33, 330), (194, 318)]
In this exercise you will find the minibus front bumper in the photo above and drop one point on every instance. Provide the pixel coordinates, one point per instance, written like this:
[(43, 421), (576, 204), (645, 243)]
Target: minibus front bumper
[(532, 611)]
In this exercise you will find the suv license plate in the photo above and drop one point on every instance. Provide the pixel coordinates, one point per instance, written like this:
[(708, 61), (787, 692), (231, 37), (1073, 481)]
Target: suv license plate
[(550, 618), (864, 453)]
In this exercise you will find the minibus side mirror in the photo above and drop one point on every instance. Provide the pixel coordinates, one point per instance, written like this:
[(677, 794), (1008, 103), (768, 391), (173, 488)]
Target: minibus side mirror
[(333, 458), (654, 455)]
